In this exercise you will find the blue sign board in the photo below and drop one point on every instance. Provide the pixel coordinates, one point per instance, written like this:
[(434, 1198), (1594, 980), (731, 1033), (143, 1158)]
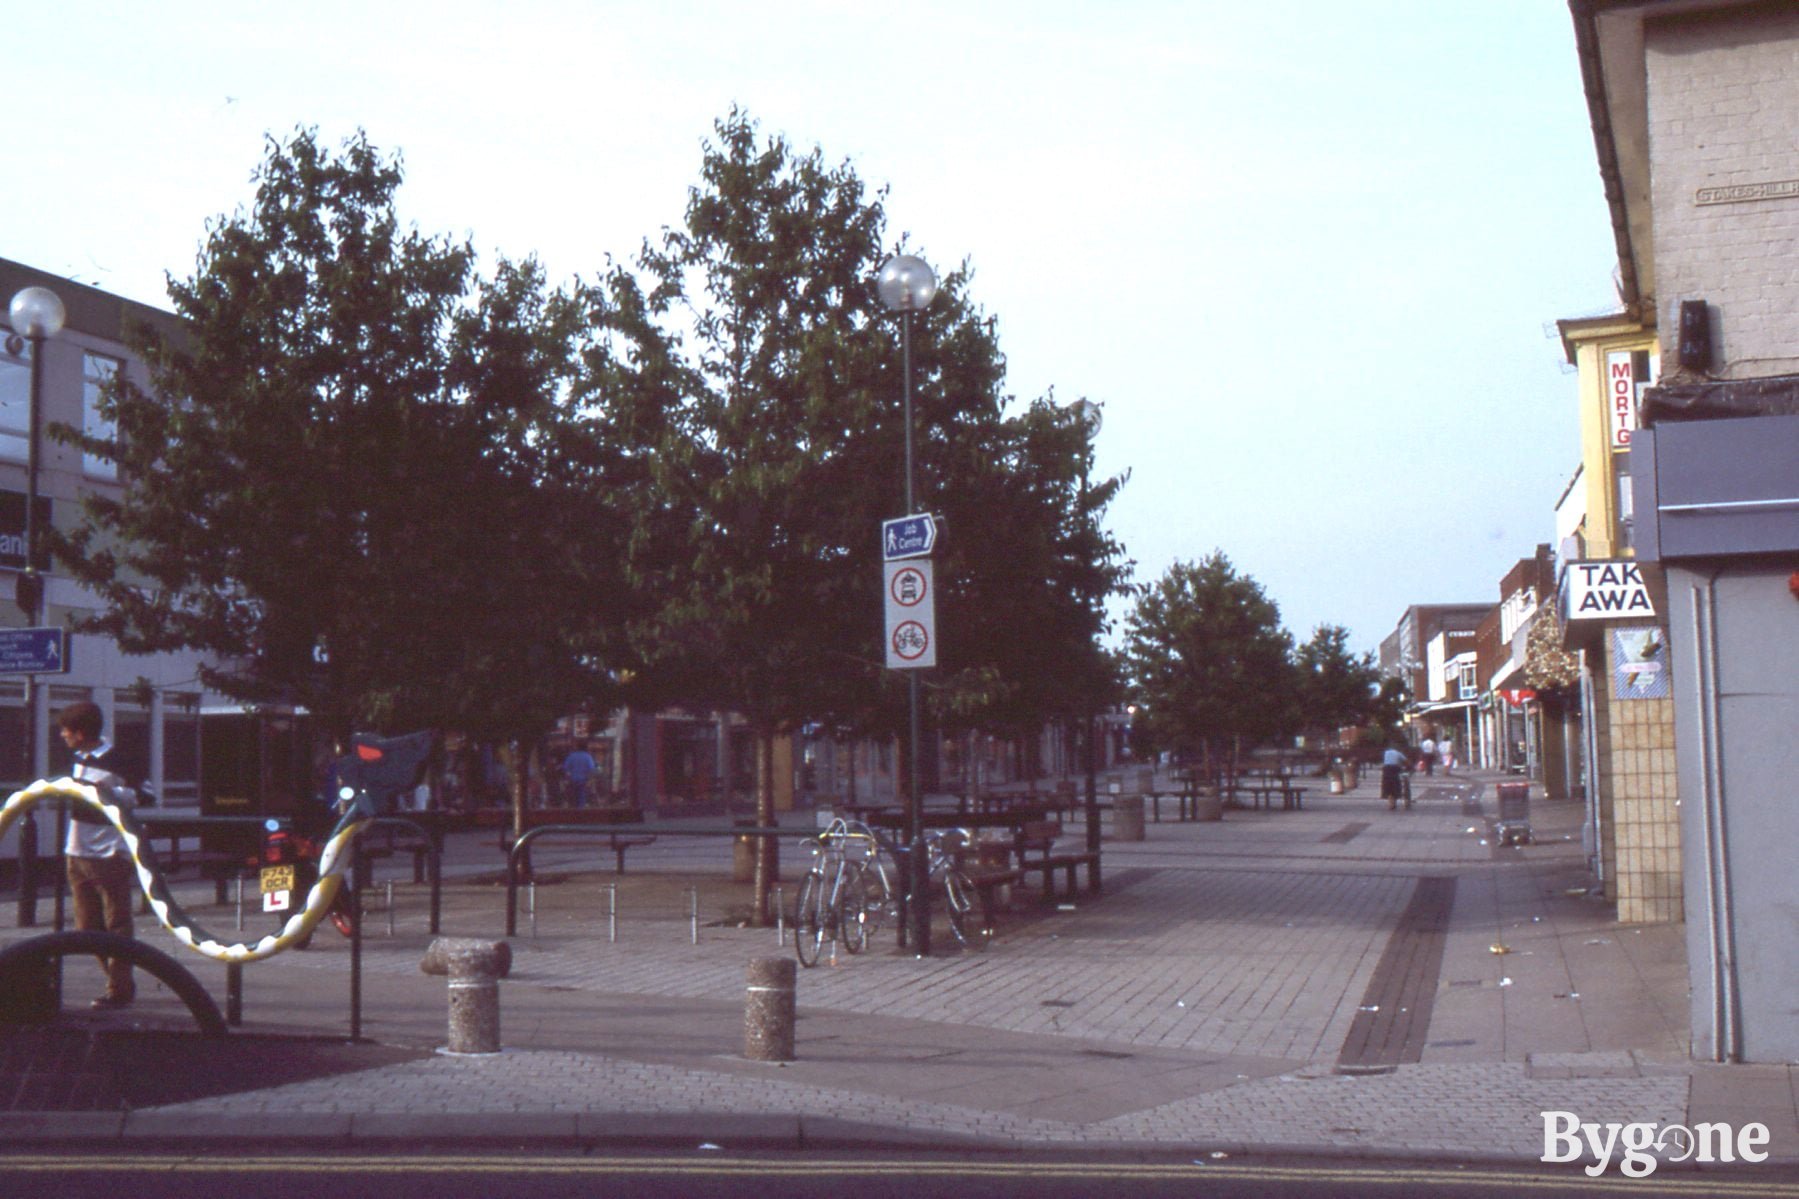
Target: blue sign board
[(908, 537), (34, 651)]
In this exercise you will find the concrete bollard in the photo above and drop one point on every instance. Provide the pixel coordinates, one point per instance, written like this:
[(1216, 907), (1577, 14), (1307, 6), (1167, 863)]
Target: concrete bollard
[(474, 969), (768, 1010)]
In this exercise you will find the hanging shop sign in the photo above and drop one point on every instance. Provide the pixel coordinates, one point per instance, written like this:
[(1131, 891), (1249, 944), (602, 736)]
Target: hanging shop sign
[(1606, 589)]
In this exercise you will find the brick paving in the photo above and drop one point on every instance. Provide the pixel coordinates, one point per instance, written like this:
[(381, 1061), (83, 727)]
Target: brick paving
[(1203, 1000)]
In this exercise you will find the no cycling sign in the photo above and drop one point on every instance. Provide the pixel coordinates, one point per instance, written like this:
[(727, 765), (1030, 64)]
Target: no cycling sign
[(911, 603)]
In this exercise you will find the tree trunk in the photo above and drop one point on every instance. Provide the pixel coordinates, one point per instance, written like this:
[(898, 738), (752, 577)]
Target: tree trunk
[(515, 777), (765, 816)]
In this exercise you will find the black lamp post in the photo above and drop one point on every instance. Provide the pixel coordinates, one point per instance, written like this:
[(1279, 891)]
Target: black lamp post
[(906, 285), (1087, 412), (37, 314)]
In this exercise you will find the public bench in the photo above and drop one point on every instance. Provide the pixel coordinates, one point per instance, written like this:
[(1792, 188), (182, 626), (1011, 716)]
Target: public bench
[(1037, 853), (988, 865), (1263, 793), (389, 842)]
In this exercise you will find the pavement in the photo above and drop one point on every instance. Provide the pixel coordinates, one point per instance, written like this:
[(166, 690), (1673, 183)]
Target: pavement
[(1340, 980)]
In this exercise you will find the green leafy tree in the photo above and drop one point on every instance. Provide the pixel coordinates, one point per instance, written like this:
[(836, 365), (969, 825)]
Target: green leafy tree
[(737, 382), (748, 380), (1333, 688), (355, 480), (1208, 659)]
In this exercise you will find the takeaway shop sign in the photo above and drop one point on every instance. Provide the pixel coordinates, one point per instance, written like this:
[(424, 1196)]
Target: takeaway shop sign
[(1597, 590)]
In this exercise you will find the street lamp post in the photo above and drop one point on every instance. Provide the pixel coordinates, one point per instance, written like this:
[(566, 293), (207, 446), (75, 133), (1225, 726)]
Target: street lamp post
[(37, 314), (906, 285), (1087, 412)]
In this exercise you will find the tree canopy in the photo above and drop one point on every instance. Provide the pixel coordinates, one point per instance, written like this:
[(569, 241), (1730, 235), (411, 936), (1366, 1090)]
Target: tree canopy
[(371, 480), (354, 480), (1208, 658), (750, 371)]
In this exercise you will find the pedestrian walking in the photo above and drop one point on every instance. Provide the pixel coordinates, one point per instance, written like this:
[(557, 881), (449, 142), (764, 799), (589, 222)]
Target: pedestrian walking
[(577, 769), (1427, 754), (100, 871)]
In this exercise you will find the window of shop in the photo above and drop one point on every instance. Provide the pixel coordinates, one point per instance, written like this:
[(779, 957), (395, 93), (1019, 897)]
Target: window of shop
[(180, 747), (97, 373), (13, 772), (15, 396)]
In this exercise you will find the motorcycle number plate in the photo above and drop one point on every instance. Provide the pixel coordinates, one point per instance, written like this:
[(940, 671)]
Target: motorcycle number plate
[(277, 878)]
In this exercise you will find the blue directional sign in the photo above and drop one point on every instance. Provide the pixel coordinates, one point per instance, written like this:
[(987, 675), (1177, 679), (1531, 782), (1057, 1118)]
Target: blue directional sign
[(34, 651), (908, 537)]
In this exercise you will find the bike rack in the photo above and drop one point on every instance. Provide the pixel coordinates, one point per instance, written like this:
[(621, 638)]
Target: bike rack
[(520, 848)]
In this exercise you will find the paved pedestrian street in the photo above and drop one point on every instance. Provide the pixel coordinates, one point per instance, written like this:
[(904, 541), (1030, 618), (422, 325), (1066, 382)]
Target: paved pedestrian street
[(1235, 986)]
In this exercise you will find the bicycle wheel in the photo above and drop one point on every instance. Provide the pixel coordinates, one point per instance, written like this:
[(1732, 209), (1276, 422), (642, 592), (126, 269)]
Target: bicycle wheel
[(968, 917), (809, 918), (877, 897), (852, 908)]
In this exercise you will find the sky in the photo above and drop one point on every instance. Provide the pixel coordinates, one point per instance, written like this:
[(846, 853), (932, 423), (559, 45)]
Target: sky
[(1307, 256)]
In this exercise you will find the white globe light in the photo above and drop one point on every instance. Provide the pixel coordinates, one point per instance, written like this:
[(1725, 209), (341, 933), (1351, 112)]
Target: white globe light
[(37, 312), (906, 283)]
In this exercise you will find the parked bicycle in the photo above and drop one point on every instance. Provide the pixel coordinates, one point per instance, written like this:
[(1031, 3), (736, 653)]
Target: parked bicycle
[(848, 894)]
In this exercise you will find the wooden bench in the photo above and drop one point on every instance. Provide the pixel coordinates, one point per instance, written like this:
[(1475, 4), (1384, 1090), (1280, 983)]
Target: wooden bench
[(988, 865), (1291, 797), (389, 841), (1037, 853)]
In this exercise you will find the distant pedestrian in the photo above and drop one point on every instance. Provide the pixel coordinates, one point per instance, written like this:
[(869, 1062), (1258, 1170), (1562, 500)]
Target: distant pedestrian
[(1446, 748), (1427, 754), (577, 769), (102, 877)]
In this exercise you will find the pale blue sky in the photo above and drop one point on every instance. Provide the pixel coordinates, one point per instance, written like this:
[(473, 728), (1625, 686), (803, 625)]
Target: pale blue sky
[(1304, 254)]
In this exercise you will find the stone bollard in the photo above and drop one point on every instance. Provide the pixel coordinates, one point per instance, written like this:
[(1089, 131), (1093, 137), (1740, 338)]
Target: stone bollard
[(474, 969), (768, 1010), (1127, 818)]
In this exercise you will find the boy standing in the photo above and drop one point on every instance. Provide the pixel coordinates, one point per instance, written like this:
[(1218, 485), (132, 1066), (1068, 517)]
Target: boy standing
[(101, 875)]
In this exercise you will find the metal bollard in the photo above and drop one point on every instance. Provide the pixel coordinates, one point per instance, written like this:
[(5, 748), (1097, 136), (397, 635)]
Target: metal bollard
[(531, 905), (693, 915), (612, 913), (780, 918), (474, 969), (240, 903), (768, 1010), (390, 907)]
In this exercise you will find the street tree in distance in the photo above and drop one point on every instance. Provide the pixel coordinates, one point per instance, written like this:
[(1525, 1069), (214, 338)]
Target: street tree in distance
[(1333, 689), (1208, 660)]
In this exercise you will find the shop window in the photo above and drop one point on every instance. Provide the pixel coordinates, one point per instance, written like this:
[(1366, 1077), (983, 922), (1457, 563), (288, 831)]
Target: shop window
[(97, 373)]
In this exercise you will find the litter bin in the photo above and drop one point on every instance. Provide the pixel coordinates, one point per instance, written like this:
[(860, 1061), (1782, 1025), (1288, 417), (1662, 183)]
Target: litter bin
[(1514, 814), (1127, 818)]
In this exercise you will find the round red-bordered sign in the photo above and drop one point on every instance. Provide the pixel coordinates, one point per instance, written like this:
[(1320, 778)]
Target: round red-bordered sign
[(908, 587), (910, 640)]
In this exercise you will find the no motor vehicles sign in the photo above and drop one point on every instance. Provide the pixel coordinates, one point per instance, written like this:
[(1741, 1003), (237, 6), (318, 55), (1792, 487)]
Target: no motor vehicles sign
[(911, 603)]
